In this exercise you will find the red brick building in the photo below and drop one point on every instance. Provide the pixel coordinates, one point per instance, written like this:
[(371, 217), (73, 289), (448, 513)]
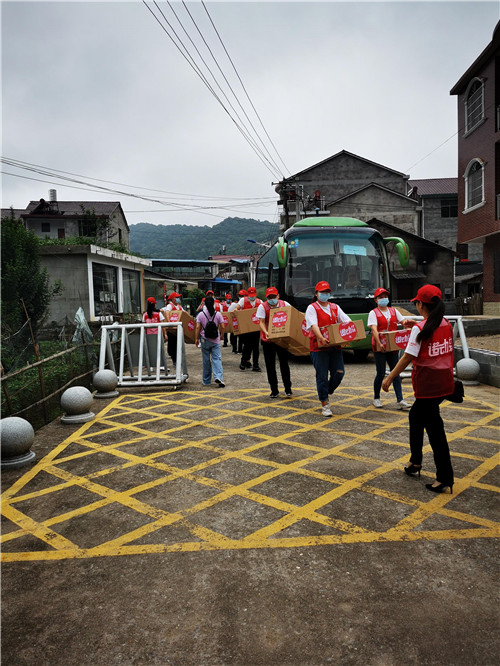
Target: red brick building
[(478, 96)]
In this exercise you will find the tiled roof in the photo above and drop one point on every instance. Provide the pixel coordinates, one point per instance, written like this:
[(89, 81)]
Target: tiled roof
[(75, 207), (430, 186)]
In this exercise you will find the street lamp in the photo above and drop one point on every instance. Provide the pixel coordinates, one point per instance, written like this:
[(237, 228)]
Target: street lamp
[(266, 245)]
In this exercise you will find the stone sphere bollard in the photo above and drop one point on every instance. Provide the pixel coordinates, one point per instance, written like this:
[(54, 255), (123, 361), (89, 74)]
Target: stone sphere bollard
[(468, 370), (17, 436), (76, 402), (105, 381)]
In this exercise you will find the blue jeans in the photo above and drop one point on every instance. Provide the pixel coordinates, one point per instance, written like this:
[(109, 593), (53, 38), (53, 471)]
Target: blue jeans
[(381, 358), (329, 366), (212, 361)]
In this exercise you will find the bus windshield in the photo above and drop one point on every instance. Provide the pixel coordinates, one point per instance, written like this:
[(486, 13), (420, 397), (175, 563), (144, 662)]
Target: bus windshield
[(353, 263)]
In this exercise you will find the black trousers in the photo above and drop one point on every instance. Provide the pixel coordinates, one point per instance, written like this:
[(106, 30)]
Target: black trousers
[(251, 345), (424, 415), (172, 347), (236, 342), (271, 350)]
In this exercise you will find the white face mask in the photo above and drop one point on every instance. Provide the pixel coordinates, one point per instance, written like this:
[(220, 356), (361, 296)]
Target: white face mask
[(323, 297), (272, 301), (383, 302)]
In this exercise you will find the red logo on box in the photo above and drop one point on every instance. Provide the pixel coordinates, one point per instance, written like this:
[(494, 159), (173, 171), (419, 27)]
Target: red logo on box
[(191, 325), (304, 328), (401, 339), (174, 316), (255, 319), (225, 319), (347, 331), (279, 319), (235, 324)]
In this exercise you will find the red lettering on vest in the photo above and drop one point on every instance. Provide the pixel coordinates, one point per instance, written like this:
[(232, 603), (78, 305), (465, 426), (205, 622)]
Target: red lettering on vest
[(432, 375)]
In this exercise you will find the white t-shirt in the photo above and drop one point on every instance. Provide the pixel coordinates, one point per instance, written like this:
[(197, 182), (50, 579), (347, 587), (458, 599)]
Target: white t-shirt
[(261, 313), (170, 307), (241, 302), (312, 315), (372, 317), (232, 307), (413, 347)]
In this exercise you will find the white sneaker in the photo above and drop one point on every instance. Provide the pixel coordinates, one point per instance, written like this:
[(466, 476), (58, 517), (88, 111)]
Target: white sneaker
[(377, 403), (402, 404), (326, 411)]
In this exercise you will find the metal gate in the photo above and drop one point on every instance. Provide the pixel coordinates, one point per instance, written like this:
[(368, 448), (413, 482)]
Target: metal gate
[(143, 361)]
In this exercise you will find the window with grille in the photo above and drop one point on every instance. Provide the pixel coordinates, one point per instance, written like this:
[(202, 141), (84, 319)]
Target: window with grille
[(474, 105), (449, 207), (474, 185)]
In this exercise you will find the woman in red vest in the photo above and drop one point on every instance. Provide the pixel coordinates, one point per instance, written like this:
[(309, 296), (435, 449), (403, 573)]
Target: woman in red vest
[(152, 316), (381, 320), (174, 303), (430, 349), (327, 360), (250, 340), (270, 349)]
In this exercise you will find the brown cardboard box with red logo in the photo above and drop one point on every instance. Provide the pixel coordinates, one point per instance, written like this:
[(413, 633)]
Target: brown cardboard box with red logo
[(245, 321), (394, 340), (188, 324), (227, 325), (343, 334), (287, 328)]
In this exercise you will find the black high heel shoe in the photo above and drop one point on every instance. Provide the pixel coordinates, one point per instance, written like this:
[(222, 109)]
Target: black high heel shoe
[(413, 470), (440, 488)]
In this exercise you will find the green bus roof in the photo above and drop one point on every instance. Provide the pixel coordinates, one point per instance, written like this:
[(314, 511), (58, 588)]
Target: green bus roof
[(330, 222)]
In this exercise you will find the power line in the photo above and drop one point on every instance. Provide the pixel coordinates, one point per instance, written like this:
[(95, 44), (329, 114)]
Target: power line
[(243, 86), (190, 60)]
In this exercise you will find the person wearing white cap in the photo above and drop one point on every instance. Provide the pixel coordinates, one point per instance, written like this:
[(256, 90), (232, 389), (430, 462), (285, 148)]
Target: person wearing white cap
[(270, 349), (380, 320), (327, 360)]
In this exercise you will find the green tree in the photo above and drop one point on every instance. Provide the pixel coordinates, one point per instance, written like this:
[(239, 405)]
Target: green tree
[(22, 278)]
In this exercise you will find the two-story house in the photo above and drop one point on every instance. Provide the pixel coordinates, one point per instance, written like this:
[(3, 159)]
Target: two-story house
[(478, 100)]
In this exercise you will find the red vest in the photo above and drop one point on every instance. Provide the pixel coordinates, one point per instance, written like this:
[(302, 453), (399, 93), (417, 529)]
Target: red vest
[(267, 309), (153, 320), (432, 375), (247, 305), (224, 307), (382, 326), (324, 320)]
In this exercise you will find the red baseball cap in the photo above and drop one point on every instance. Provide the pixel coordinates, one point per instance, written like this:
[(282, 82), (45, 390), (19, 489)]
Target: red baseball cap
[(271, 291), (322, 286), (242, 292), (380, 291), (229, 296), (209, 292), (252, 291), (173, 295), (426, 293)]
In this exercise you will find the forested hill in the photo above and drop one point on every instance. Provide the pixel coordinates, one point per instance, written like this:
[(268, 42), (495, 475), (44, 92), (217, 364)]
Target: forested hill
[(182, 241)]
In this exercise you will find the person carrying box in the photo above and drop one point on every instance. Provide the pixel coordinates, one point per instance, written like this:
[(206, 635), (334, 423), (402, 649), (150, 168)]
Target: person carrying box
[(270, 349)]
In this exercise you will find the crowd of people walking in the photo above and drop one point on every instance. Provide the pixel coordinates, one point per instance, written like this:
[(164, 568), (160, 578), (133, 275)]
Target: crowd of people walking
[(429, 350)]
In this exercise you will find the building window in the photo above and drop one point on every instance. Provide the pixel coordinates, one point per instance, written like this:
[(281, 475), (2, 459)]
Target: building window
[(131, 292), (449, 207), (105, 289), (474, 104), (45, 227), (474, 184)]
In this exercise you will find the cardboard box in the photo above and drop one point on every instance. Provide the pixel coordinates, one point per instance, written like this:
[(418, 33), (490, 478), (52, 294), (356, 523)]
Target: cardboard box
[(227, 327), (245, 321), (287, 328), (188, 324), (343, 334), (395, 340)]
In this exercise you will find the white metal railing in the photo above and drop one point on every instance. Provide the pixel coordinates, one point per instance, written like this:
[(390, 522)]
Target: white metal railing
[(155, 373)]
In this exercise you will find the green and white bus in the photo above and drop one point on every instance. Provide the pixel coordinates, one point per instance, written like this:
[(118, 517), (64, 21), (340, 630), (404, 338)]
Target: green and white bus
[(344, 251)]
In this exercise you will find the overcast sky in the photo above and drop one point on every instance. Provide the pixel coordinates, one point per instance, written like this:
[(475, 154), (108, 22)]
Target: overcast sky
[(98, 90)]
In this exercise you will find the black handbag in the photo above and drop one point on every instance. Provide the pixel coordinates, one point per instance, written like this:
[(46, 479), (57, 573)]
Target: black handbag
[(458, 392)]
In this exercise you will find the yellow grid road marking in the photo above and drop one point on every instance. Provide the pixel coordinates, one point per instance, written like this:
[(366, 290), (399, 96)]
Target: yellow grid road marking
[(167, 419)]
